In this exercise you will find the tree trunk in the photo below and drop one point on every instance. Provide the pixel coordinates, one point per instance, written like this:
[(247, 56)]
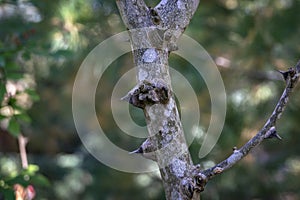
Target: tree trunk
[(154, 33)]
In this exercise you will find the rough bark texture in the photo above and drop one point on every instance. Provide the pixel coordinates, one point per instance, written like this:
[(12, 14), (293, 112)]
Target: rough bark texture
[(160, 27)]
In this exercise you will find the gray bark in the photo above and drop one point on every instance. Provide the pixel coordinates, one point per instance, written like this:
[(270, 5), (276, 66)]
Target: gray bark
[(160, 27)]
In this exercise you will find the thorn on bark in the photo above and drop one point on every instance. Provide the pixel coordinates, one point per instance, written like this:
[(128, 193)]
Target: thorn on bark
[(285, 74), (291, 73), (147, 93), (147, 150), (272, 133)]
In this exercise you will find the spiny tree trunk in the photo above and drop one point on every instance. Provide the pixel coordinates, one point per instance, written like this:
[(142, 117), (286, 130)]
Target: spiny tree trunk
[(154, 33)]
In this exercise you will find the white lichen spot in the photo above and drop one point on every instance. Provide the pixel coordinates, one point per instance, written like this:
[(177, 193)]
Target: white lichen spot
[(143, 75), (150, 55), (180, 5), (178, 167), (234, 157)]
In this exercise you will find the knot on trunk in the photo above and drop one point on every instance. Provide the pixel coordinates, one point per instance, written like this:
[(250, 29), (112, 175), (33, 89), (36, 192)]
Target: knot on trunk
[(200, 182), (190, 185), (148, 93)]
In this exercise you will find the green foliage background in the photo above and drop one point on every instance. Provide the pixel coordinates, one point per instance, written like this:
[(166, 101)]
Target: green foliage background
[(42, 49)]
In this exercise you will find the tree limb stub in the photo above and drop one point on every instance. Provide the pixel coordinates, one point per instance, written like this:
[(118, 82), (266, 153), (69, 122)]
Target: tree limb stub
[(268, 131), (147, 93), (154, 33)]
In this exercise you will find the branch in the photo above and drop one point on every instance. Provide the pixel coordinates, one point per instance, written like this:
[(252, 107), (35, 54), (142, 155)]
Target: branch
[(167, 21), (134, 13), (291, 77), (22, 140), (176, 14)]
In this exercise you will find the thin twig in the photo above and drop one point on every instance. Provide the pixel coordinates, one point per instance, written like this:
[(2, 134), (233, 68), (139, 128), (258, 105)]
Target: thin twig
[(22, 147), (291, 77)]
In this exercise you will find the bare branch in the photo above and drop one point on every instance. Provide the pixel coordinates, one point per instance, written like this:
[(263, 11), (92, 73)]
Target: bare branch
[(167, 20), (174, 16), (291, 77)]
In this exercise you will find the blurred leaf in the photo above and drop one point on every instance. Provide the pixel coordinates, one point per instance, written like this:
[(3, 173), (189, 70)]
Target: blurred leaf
[(7, 193), (24, 117), (29, 176), (2, 92), (2, 117), (20, 179), (14, 75), (13, 127), (40, 180), (12, 66)]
